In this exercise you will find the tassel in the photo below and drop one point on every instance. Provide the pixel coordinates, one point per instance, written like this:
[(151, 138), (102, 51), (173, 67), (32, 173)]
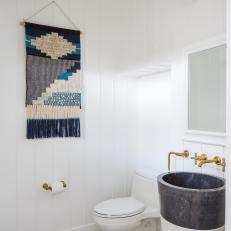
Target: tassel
[(46, 128)]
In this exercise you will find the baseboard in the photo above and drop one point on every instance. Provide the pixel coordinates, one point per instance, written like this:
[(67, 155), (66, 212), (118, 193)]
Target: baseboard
[(87, 227)]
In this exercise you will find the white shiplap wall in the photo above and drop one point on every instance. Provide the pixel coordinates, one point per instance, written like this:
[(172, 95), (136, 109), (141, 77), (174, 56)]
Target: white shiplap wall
[(161, 122), (169, 27), (117, 35), (96, 166)]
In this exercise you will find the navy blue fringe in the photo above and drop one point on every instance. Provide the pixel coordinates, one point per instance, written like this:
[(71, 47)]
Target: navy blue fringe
[(46, 128)]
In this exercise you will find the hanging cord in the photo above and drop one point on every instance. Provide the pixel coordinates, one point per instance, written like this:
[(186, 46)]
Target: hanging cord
[(47, 5)]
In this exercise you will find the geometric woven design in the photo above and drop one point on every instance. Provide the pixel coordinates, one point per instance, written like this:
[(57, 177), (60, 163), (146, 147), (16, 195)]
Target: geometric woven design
[(42, 72), (72, 85), (73, 69), (53, 45), (64, 99), (53, 74), (35, 31)]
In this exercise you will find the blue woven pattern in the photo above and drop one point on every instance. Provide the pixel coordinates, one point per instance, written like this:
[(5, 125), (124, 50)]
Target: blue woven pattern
[(64, 99)]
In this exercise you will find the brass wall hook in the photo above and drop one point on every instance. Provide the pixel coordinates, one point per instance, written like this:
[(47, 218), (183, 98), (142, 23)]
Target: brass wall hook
[(47, 187), (185, 154), (201, 157)]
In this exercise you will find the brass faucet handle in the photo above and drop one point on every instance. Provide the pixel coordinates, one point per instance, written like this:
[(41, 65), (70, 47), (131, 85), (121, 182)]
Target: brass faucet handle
[(216, 160), (195, 158), (201, 157)]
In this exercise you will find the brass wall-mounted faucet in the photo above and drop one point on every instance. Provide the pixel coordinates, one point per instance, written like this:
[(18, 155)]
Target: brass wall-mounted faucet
[(199, 157), (185, 153), (216, 160)]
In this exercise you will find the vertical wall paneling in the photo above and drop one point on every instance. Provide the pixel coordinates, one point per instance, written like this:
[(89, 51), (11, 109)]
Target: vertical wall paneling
[(228, 121), (118, 36), (8, 93), (94, 166)]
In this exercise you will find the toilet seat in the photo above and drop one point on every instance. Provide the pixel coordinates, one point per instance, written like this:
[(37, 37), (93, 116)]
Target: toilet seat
[(119, 208)]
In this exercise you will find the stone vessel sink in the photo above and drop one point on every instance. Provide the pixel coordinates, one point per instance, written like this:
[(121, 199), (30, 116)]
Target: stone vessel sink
[(192, 200)]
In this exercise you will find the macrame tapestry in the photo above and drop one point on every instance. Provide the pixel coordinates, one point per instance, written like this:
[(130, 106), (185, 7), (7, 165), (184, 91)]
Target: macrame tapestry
[(53, 97)]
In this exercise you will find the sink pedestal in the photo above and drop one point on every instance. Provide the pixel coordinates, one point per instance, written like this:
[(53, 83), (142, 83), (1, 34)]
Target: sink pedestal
[(167, 226)]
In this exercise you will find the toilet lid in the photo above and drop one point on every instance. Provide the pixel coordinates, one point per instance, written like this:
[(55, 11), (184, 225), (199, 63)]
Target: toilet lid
[(119, 207)]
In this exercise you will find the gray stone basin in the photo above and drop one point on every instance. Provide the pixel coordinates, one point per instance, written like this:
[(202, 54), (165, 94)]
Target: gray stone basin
[(192, 200)]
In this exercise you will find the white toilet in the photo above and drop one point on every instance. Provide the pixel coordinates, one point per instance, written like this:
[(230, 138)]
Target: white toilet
[(126, 213)]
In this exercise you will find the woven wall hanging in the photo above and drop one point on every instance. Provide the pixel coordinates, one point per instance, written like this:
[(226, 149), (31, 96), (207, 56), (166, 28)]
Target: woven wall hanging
[(53, 96)]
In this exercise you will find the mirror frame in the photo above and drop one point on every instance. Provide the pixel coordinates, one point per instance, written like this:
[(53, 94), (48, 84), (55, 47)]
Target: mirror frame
[(206, 137)]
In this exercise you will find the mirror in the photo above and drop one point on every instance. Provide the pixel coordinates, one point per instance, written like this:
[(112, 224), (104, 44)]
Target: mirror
[(207, 90)]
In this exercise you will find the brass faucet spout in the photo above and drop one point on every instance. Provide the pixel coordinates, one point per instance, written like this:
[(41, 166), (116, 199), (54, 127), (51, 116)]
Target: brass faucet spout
[(185, 153)]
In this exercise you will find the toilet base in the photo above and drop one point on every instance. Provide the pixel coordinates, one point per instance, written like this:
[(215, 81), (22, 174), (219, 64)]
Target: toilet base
[(117, 224), (133, 223)]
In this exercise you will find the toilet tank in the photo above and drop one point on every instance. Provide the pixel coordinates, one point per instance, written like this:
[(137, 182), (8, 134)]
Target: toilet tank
[(144, 187)]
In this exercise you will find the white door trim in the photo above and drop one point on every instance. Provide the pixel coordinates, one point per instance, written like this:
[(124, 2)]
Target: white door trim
[(228, 121)]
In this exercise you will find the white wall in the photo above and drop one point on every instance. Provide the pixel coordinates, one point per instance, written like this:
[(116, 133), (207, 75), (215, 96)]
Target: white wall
[(168, 27), (182, 23), (158, 127), (154, 117), (161, 28), (95, 166), (228, 109), (119, 36)]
